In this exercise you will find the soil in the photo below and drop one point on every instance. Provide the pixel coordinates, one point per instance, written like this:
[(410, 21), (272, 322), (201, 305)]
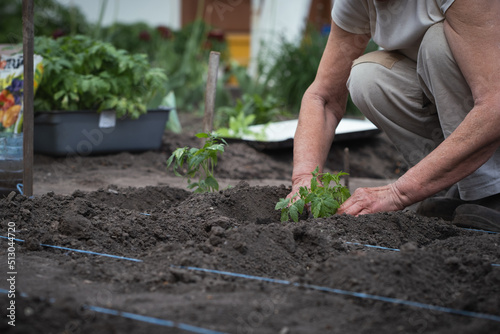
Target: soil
[(128, 205)]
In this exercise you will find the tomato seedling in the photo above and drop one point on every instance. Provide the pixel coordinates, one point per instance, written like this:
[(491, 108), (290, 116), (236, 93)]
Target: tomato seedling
[(323, 198), (196, 158)]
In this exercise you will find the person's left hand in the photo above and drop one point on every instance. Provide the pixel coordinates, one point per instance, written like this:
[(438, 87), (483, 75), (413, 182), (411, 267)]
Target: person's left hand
[(372, 200)]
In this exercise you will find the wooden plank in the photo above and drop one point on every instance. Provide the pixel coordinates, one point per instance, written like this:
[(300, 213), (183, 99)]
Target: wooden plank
[(28, 122), (211, 88)]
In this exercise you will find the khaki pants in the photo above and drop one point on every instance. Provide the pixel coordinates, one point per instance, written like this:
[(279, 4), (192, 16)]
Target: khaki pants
[(418, 104)]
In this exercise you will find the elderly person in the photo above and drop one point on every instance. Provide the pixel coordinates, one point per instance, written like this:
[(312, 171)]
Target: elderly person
[(434, 90)]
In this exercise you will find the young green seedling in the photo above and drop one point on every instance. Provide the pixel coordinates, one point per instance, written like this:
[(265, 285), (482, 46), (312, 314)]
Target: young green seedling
[(239, 127), (323, 198), (204, 158)]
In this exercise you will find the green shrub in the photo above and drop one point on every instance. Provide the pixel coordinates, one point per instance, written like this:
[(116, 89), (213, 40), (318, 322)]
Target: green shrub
[(84, 74)]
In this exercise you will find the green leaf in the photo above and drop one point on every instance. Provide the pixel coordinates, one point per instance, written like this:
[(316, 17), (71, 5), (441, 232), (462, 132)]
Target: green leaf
[(282, 204), (300, 204), (202, 135), (314, 184), (85, 85), (59, 94), (170, 160), (212, 183), (303, 192), (316, 207), (294, 213), (284, 215)]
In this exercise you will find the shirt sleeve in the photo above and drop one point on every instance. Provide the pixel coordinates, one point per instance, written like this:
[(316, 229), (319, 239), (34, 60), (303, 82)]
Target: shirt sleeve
[(352, 16), (445, 4)]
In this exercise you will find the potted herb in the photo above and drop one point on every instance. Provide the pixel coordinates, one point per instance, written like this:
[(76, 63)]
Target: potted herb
[(94, 98)]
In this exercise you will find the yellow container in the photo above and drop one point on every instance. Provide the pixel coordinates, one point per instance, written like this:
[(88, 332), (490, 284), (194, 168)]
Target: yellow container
[(239, 47)]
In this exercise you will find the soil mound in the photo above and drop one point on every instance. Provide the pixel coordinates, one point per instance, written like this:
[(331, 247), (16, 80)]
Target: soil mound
[(179, 247)]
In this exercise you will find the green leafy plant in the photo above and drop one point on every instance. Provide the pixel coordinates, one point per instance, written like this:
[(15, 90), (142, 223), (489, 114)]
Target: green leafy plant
[(264, 109), (195, 159), (295, 67), (183, 54), (239, 128), (81, 73), (51, 18), (323, 198)]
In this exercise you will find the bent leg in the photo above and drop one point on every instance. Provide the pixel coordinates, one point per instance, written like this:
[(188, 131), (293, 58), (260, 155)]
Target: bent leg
[(385, 87)]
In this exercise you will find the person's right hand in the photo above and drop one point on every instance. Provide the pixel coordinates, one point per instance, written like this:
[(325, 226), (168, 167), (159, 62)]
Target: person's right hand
[(297, 182)]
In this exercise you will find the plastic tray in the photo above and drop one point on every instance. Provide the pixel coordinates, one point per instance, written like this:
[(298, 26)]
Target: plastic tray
[(280, 134), (62, 133)]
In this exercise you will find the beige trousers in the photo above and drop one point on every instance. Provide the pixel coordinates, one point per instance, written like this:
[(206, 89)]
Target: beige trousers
[(418, 104)]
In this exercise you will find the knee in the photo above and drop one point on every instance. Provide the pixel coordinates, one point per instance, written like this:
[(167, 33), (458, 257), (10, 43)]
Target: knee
[(365, 86), (434, 48)]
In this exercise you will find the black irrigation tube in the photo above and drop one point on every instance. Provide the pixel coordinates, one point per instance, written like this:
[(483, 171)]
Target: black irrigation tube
[(284, 282), (138, 317)]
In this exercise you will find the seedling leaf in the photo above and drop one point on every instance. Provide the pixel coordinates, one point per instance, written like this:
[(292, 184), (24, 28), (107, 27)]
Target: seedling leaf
[(323, 199), (200, 162)]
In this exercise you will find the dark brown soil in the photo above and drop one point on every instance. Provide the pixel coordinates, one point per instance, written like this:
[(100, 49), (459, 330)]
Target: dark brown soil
[(175, 233)]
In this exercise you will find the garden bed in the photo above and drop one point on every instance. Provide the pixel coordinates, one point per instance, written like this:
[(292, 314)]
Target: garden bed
[(223, 262)]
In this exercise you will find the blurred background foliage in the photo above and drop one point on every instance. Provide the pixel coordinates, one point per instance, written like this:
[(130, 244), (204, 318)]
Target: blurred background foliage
[(273, 92), (51, 19)]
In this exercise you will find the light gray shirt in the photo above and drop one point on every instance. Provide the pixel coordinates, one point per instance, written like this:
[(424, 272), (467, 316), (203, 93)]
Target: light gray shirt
[(393, 24)]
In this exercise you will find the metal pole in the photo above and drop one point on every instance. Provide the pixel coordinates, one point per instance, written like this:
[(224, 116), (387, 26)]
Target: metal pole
[(213, 67), (28, 51)]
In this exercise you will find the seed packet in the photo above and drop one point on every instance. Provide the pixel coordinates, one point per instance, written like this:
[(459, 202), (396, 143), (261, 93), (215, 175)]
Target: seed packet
[(11, 90)]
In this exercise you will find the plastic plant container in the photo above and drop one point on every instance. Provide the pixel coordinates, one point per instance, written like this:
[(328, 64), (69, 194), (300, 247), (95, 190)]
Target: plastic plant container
[(11, 162), (70, 133)]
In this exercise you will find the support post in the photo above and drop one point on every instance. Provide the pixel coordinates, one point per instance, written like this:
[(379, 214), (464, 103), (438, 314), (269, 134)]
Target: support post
[(211, 88), (346, 167), (28, 93)]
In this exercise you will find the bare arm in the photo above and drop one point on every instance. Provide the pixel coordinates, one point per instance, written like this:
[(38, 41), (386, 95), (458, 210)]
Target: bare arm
[(472, 28), (323, 104)]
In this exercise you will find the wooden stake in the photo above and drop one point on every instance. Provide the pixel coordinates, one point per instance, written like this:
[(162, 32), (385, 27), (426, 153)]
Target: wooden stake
[(346, 166), (211, 88), (28, 88)]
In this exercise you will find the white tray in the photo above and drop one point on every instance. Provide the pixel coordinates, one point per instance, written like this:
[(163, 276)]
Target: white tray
[(280, 134)]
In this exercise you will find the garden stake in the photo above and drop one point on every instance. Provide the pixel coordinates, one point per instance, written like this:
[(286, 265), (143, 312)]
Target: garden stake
[(211, 88), (28, 92), (346, 166)]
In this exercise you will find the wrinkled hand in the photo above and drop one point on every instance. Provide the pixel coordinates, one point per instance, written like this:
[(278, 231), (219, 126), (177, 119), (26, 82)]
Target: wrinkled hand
[(372, 200), (304, 181)]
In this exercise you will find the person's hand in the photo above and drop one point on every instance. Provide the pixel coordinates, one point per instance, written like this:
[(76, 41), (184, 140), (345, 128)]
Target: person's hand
[(301, 181), (372, 200)]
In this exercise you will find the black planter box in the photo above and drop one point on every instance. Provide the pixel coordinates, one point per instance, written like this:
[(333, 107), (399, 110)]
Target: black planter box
[(63, 133)]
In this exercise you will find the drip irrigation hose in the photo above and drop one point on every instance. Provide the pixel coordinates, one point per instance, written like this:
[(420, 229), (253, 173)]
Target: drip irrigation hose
[(138, 317), (308, 286), (371, 246), (79, 250), (352, 294), (155, 321), (138, 260), (476, 230)]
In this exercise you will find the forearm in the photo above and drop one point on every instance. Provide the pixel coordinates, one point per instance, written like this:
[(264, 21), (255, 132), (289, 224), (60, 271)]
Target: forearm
[(463, 152), (314, 135), (324, 102)]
